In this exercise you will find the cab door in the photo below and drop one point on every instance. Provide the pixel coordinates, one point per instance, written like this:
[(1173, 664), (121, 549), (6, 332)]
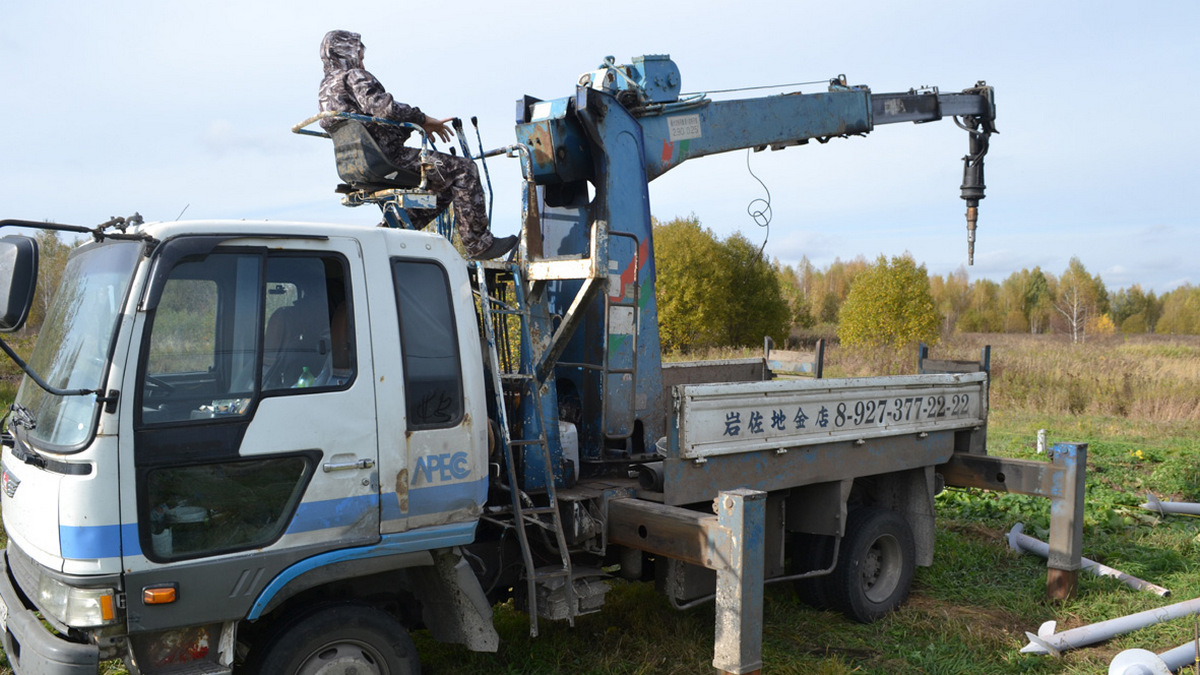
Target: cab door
[(254, 445)]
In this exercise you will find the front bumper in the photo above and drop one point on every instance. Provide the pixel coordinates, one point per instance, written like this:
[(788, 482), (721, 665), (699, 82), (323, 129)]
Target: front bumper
[(31, 648)]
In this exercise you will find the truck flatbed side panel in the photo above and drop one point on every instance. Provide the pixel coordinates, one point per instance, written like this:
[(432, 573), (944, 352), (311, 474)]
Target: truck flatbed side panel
[(727, 419), (692, 482)]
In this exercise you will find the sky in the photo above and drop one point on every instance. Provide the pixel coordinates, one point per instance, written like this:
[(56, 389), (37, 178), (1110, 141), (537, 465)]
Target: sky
[(185, 108)]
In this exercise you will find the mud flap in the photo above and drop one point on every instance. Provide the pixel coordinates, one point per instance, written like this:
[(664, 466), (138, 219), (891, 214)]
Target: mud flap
[(453, 604)]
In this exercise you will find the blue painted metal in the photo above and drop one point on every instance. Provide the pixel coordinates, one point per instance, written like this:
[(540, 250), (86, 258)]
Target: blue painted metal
[(424, 539), (98, 541), (740, 537), (720, 126), (556, 141)]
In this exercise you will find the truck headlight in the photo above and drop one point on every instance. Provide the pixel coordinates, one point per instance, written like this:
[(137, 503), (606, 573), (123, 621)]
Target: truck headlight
[(77, 607)]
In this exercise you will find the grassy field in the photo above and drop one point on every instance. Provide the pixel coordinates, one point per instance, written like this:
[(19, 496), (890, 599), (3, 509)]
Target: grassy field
[(1136, 402)]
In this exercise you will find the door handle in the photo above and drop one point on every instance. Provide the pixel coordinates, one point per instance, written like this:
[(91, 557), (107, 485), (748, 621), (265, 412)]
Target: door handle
[(348, 466)]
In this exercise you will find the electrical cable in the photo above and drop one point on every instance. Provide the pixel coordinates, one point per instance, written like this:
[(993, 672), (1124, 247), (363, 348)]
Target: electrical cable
[(760, 216), (763, 86)]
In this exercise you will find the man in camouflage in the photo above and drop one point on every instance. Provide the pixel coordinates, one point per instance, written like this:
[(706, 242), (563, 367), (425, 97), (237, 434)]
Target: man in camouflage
[(348, 87)]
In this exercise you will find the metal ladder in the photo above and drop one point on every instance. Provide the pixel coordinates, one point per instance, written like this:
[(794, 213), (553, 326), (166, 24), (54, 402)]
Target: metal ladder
[(527, 384)]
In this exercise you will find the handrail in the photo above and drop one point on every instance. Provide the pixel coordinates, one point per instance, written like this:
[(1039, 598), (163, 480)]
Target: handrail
[(329, 114)]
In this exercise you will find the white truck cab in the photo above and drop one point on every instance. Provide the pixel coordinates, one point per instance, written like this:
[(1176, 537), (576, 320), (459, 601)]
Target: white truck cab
[(227, 459)]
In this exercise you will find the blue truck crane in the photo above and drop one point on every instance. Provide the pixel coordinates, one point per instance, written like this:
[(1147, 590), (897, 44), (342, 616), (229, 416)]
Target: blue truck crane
[(279, 447)]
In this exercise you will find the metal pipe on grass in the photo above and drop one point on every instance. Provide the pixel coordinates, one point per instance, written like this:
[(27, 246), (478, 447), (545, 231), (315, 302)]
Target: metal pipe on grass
[(1023, 542), (1146, 662), (1163, 508), (1048, 642)]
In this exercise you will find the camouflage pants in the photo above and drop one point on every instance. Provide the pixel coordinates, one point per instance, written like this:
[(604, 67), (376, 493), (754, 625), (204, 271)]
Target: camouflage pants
[(455, 180)]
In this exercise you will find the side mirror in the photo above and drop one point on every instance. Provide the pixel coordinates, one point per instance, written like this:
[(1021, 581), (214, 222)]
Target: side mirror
[(18, 280)]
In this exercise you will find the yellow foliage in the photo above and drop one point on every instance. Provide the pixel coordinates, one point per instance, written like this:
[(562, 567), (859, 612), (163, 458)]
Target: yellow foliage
[(1101, 325), (889, 304)]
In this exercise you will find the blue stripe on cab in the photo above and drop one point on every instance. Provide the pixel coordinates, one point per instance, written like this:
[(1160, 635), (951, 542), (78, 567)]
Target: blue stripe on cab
[(424, 539), (110, 541), (329, 513), (89, 542), (437, 499)]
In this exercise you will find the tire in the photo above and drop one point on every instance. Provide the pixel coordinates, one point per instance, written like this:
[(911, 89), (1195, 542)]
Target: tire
[(339, 640), (878, 558), (808, 552)]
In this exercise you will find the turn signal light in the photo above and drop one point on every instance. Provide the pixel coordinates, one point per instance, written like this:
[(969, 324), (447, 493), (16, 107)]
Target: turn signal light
[(159, 595)]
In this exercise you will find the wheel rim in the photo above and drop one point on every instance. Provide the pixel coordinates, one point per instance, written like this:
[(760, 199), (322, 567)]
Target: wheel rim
[(882, 567), (344, 657)]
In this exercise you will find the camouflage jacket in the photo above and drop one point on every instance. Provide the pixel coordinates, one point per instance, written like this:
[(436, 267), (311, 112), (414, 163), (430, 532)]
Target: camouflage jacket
[(348, 87)]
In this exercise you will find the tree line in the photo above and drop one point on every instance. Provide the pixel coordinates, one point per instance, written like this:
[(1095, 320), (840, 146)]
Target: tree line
[(726, 293), (719, 293)]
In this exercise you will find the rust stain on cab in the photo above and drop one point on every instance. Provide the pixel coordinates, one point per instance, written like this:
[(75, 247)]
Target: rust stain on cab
[(402, 490)]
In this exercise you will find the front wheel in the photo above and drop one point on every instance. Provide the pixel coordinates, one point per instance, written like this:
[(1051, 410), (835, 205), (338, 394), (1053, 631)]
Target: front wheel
[(339, 640), (877, 565)]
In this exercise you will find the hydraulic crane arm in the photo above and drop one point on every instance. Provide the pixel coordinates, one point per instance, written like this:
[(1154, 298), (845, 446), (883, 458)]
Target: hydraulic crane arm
[(709, 127), (675, 129)]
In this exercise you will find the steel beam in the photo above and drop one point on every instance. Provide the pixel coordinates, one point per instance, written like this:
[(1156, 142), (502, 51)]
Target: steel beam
[(740, 538), (731, 542), (1061, 481)]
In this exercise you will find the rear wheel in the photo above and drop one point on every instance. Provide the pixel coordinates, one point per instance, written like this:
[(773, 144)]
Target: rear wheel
[(339, 640), (878, 559)]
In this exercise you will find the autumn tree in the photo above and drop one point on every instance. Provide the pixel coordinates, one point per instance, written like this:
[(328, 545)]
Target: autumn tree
[(889, 304), (713, 293), (1135, 311), (1027, 296), (832, 287), (1079, 297), (687, 260), (792, 285), (1180, 311), (951, 297), (751, 304), (983, 313)]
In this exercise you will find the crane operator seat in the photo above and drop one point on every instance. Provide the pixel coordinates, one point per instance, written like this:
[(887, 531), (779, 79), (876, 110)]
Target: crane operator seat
[(362, 164)]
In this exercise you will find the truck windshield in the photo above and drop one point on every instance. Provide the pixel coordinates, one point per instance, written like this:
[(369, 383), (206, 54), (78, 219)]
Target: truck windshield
[(75, 342)]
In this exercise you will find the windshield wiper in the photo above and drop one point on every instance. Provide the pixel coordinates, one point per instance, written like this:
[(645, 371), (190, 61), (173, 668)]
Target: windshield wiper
[(20, 417)]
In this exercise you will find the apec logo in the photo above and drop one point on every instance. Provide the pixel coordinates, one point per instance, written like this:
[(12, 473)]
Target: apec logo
[(444, 467)]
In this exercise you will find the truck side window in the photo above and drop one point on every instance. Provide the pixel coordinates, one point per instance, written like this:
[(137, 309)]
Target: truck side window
[(306, 340), (203, 343), (226, 316), (214, 508), (429, 340)]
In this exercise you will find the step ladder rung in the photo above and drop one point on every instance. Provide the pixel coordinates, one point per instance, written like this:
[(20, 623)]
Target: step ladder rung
[(541, 523), (524, 377), (538, 509), (542, 575)]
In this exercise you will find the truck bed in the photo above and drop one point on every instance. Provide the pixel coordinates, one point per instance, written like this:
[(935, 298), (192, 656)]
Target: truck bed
[(786, 433)]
